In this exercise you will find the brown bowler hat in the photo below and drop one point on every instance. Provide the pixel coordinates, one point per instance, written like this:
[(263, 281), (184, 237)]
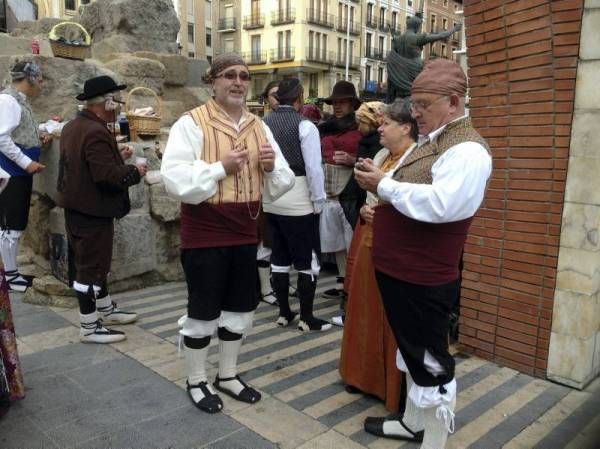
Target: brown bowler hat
[(343, 90)]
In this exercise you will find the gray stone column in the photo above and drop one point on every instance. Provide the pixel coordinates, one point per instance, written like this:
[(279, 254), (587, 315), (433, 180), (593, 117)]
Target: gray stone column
[(574, 353)]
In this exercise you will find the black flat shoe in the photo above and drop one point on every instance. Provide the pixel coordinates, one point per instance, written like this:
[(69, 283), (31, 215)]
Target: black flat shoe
[(248, 394), (210, 403), (374, 426)]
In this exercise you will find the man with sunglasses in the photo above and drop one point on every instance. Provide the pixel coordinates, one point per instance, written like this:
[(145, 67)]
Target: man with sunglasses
[(420, 227), (20, 145), (219, 161), (93, 183)]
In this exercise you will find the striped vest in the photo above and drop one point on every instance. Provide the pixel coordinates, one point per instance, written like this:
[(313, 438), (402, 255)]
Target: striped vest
[(220, 138)]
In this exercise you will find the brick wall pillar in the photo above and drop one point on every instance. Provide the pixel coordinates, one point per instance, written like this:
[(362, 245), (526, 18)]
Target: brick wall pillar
[(522, 58)]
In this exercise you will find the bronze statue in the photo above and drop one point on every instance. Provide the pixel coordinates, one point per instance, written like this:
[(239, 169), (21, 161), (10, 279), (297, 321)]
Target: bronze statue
[(404, 62)]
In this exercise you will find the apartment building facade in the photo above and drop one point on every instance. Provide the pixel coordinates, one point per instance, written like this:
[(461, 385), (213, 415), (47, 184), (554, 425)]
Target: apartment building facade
[(442, 15), (307, 39)]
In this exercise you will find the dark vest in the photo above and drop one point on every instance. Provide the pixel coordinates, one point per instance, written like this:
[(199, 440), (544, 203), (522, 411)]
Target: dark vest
[(415, 251), (284, 123)]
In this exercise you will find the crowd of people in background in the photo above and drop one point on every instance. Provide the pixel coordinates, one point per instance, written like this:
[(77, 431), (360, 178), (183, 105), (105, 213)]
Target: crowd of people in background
[(389, 191)]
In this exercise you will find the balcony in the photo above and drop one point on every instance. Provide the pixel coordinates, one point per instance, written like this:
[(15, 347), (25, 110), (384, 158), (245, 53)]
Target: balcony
[(282, 54), (255, 57), (395, 28), (384, 26), (227, 25), (371, 23), (319, 55), (317, 17), (375, 53), (283, 16), (254, 21), (342, 25), (340, 61)]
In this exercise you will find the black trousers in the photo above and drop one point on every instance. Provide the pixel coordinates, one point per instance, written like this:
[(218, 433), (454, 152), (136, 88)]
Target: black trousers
[(419, 316), (14, 203)]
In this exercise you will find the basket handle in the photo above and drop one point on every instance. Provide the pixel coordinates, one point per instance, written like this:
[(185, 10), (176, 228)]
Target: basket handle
[(52, 35), (140, 88)]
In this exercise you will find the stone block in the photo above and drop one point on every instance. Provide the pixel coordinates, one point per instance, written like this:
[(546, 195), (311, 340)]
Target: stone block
[(587, 94), (582, 174), (162, 206), (590, 24), (175, 65), (570, 360), (167, 243), (138, 195), (36, 234), (10, 45), (196, 70), (133, 246), (139, 72), (585, 134), (44, 183), (56, 220), (576, 314), (126, 26), (578, 271), (581, 227)]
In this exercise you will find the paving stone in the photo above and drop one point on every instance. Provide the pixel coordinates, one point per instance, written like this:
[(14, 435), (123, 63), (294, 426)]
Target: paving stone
[(242, 439), (187, 427), (19, 432), (31, 323), (125, 437)]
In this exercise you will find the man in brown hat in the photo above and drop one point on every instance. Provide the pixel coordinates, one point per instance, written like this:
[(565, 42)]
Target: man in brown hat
[(218, 162), (93, 184), (420, 227), (339, 146)]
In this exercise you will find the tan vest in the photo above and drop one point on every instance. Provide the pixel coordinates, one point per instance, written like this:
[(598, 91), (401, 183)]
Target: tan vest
[(220, 138), (416, 168)]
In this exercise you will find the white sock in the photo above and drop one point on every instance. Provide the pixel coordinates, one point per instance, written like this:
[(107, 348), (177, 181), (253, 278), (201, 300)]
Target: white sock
[(195, 363), (438, 422), (413, 415), (228, 354), (264, 274), (340, 260), (9, 246), (103, 303), (88, 318)]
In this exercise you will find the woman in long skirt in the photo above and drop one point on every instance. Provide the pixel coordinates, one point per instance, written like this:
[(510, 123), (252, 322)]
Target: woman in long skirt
[(11, 378)]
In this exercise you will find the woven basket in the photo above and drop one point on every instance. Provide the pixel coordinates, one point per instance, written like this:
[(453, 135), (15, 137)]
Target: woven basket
[(63, 50), (141, 124)]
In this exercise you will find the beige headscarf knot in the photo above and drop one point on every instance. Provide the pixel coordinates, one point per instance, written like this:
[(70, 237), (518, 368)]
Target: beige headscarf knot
[(370, 113)]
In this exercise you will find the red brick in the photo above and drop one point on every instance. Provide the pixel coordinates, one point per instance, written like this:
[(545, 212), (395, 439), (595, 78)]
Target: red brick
[(515, 315), (566, 50), (530, 73), (527, 38), (537, 119), (485, 336), (525, 174), (573, 15), (484, 48), (512, 7), (521, 286), (566, 27), (479, 306), (522, 362), (529, 26), (531, 163), (494, 35), (532, 108), (530, 97), (531, 61), (518, 226), (527, 278), (517, 346), (508, 323), (476, 343), (564, 95), (566, 39), (528, 14), (526, 247), (530, 185), (565, 74), (520, 256), (565, 5)]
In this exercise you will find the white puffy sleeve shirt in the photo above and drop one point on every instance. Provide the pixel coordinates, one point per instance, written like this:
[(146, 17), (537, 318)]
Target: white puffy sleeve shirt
[(10, 117), (191, 180), (459, 181)]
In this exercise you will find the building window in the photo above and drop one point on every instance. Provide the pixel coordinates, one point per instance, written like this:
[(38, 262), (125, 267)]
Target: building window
[(207, 9), (209, 59), (445, 2), (394, 21), (368, 44), (368, 72), (382, 17), (191, 33), (370, 12), (433, 23), (190, 8), (445, 24), (208, 37), (191, 54), (255, 42), (443, 51), (70, 5), (381, 46), (255, 9), (380, 75), (410, 3), (324, 46)]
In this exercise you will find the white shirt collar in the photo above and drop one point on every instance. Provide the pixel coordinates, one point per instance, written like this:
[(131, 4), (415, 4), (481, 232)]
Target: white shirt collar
[(435, 133)]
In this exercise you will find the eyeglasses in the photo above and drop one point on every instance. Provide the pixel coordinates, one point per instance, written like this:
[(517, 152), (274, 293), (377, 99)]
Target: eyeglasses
[(232, 75), (421, 106)]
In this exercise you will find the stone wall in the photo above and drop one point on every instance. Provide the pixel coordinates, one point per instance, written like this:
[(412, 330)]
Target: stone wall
[(574, 357), (522, 59)]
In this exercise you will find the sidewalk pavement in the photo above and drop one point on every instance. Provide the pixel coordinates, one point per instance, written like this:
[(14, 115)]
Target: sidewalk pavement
[(131, 394)]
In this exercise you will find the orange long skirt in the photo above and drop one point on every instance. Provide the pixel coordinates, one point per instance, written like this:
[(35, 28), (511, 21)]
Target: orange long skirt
[(368, 358)]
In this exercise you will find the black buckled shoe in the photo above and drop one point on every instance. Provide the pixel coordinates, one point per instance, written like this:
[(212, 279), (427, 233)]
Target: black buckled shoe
[(248, 394), (210, 403), (374, 426)]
